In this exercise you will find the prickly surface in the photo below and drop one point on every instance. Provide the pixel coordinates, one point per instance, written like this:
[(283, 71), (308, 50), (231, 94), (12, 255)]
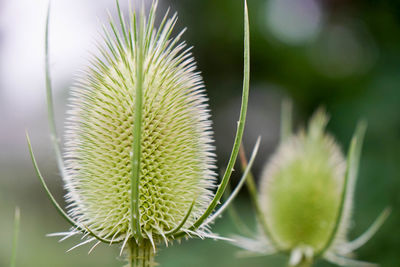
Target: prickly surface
[(177, 153), (301, 188)]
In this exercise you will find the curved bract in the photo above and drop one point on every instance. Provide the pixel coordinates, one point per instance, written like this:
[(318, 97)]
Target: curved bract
[(139, 157)]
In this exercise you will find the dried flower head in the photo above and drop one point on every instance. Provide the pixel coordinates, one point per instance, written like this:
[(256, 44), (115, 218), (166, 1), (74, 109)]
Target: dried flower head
[(305, 198), (139, 157)]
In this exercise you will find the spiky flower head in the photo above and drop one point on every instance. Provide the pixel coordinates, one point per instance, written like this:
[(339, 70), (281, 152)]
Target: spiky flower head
[(177, 159), (305, 198), (301, 187), (139, 155)]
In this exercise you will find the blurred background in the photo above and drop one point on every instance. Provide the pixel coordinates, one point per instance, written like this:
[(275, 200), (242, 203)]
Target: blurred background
[(340, 54)]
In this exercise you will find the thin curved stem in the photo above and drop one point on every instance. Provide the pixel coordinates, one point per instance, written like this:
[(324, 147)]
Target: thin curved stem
[(239, 131), (251, 186), (54, 138), (367, 235), (15, 238), (54, 201), (236, 218), (49, 100), (238, 187), (343, 261), (184, 220)]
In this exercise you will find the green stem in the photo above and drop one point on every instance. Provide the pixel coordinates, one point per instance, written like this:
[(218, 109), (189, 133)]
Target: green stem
[(303, 263), (142, 254), (15, 239)]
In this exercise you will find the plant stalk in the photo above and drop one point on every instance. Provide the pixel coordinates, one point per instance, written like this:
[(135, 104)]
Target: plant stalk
[(142, 254), (303, 263)]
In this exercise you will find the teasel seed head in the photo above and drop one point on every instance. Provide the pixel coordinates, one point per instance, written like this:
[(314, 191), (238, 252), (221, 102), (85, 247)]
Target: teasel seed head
[(177, 159), (301, 187), (304, 202)]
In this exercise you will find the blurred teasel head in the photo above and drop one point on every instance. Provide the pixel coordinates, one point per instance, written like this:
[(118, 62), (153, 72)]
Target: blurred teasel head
[(139, 161), (304, 202)]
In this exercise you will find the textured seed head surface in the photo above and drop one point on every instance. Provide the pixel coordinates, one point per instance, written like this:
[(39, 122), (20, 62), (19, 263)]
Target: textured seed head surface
[(301, 188), (177, 153)]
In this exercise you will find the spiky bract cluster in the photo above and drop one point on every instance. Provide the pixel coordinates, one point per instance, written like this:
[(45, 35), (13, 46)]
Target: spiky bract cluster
[(177, 155), (301, 188), (305, 199)]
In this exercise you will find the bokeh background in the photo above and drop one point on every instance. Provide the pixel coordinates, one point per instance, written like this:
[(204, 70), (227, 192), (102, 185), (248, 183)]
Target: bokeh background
[(340, 54)]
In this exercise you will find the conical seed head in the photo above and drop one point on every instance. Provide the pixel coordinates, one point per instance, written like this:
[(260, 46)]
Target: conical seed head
[(301, 188), (177, 155)]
